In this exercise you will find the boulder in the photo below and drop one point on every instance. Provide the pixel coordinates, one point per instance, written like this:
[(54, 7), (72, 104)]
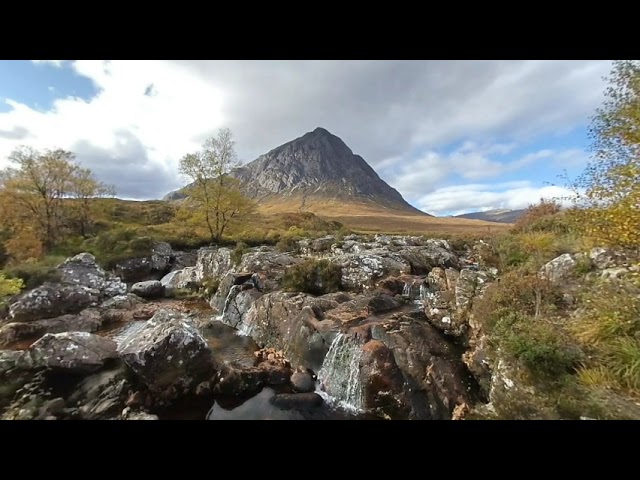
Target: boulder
[(212, 263), (71, 351), (269, 267), (83, 270), (560, 268), (297, 401), (302, 381), (363, 271), (177, 279), (51, 300), (168, 354), (161, 257), (103, 394), (89, 320), (148, 289), (134, 269)]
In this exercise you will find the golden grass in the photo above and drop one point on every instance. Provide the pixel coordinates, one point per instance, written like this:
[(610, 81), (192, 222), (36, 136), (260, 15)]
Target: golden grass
[(372, 218)]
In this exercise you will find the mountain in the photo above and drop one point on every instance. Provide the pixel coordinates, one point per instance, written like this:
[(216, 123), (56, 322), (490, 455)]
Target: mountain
[(315, 172), (500, 216)]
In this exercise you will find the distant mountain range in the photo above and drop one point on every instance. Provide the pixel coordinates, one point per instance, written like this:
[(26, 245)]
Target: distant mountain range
[(312, 171), (500, 216)]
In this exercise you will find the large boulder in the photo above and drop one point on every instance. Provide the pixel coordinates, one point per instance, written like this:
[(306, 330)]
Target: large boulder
[(436, 253), (134, 269), (562, 267), (169, 355), (178, 279), (362, 271), (212, 263), (161, 257), (148, 289), (71, 351), (83, 270), (51, 300), (101, 395), (269, 267)]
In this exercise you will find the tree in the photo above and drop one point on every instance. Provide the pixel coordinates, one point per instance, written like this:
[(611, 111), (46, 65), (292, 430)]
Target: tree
[(608, 192), (83, 187), (214, 196), (42, 198)]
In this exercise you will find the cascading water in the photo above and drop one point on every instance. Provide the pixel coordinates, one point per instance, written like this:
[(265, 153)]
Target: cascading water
[(123, 334), (233, 291), (340, 372)]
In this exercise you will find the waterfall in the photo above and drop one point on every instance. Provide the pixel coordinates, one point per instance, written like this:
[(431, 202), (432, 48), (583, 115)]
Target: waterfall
[(340, 372), (245, 328), (123, 334), (233, 291), (406, 290)]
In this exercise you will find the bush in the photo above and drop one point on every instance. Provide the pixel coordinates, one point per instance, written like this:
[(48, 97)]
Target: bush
[(209, 287), (9, 287), (537, 216), (33, 274), (287, 244), (238, 252), (316, 277)]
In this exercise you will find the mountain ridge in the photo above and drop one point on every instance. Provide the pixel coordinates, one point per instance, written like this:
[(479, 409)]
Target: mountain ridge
[(315, 166)]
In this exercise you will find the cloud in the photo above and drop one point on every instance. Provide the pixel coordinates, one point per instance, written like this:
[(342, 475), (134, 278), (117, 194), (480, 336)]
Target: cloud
[(16, 133), (399, 115), (455, 200), (53, 63), (471, 161)]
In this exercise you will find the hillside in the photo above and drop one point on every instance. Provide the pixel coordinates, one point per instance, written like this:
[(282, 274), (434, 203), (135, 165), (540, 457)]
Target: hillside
[(499, 215)]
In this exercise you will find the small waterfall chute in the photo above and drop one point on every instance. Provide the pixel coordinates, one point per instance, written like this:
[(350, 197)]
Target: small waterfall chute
[(340, 372)]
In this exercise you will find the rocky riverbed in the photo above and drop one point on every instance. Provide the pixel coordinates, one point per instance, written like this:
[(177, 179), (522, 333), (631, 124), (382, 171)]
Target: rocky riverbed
[(397, 342)]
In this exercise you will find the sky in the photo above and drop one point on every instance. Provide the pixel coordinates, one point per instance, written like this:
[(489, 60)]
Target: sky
[(451, 136)]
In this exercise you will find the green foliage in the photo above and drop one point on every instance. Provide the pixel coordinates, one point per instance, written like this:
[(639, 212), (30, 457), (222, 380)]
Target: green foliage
[(608, 192), (316, 277), (9, 287), (238, 252), (35, 273), (538, 217), (209, 287)]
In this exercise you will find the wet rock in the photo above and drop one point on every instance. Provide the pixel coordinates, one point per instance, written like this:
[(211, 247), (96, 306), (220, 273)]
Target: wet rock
[(382, 303), (237, 305), (72, 351), (168, 355), (382, 382), (102, 395), (148, 289), (436, 379), (297, 401), (51, 300), (302, 381), (84, 271), (238, 383), (128, 414)]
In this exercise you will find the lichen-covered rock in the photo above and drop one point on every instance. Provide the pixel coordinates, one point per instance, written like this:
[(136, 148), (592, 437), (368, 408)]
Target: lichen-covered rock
[(268, 266), (148, 289), (161, 256), (51, 300), (184, 259), (560, 268), (382, 303), (134, 269), (185, 278), (363, 271), (436, 253), (83, 270), (73, 351), (169, 355), (89, 320), (212, 263), (604, 258), (122, 302)]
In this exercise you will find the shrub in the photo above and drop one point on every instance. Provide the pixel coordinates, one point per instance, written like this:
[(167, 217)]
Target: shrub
[(9, 287), (316, 277), (537, 216), (35, 273), (209, 287), (287, 244), (238, 252)]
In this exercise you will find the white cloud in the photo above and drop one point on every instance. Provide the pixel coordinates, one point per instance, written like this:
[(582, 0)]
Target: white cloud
[(54, 63), (459, 199), (387, 111), (471, 161)]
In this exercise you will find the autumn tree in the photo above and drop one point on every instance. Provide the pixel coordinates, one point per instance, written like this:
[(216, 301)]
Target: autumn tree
[(37, 195), (214, 197), (83, 187), (608, 192)]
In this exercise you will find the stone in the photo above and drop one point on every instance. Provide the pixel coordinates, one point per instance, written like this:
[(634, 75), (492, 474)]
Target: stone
[(297, 401), (148, 289), (72, 351), (83, 270), (51, 300), (302, 381)]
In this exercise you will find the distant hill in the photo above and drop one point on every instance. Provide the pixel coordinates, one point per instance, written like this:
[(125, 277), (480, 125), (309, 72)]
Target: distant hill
[(500, 216)]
